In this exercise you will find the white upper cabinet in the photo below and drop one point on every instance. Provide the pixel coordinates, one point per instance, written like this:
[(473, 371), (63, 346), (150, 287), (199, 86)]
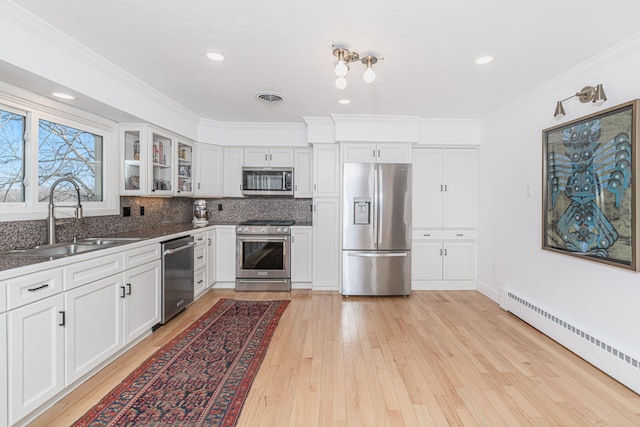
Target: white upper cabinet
[(268, 157), (185, 167), (209, 171), (233, 162), (302, 173), (444, 188), (148, 158), (326, 170), (376, 153)]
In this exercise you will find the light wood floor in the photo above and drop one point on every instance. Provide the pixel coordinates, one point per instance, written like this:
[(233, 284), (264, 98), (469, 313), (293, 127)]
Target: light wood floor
[(433, 359)]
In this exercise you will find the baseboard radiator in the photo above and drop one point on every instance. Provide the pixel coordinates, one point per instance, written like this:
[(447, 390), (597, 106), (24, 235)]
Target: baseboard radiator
[(606, 356)]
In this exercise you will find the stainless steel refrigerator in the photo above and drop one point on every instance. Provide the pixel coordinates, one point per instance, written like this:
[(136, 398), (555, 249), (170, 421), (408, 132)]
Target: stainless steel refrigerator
[(376, 239)]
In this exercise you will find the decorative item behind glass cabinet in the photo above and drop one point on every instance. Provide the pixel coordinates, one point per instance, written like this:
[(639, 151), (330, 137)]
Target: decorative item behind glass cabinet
[(590, 187)]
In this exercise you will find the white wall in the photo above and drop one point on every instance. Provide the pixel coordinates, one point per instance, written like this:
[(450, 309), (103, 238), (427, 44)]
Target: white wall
[(598, 298)]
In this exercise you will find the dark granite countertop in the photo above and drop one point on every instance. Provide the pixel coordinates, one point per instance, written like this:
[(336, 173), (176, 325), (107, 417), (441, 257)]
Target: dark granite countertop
[(17, 261)]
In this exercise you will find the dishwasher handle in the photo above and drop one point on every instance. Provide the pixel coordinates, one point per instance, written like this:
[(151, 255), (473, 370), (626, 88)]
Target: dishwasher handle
[(178, 249)]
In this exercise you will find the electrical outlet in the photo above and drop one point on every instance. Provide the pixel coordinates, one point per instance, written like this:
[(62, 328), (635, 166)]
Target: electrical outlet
[(219, 206), (141, 210), (126, 211)]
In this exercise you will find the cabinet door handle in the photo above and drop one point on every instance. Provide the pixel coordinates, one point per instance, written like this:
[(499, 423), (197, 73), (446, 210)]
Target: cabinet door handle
[(270, 156), (200, 281), (315, 187), (427, 234), (441, 187), (64, 318), (445, 252), (378, 153), (459, 234), (445, 187), (198, 186), (200, 257), (38, 288), (208, 242), (374, 153), (128, 288), (200, 239), (440, 251), (123, 292)]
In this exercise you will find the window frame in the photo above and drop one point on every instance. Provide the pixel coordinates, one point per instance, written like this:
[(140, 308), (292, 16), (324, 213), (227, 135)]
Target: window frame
[(24, 114), (31, 208)]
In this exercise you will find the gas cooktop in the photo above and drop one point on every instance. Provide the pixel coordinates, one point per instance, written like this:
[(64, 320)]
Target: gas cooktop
[(268, 222)]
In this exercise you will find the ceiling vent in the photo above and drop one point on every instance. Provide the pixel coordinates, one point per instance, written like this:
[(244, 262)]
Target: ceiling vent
[(269, 97)]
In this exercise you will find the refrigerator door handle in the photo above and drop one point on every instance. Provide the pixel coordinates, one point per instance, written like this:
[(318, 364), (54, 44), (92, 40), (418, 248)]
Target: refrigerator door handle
[(378, 254), (378, 207)]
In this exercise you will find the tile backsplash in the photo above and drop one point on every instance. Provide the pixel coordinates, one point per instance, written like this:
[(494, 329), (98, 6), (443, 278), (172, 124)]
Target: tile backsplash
[(157, 212)]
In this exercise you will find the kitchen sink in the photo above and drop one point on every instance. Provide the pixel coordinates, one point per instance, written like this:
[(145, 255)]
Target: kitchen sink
[(107, 241), (59, 250)]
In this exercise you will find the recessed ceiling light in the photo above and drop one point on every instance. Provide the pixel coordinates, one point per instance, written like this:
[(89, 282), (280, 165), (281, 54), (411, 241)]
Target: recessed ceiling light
[(62, 95), (344, 101), (215, 56), (482, 60)]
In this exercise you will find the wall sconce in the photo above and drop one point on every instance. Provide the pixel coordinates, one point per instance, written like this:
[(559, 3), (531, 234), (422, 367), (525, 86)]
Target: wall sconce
[(587, 94), (345, 57)]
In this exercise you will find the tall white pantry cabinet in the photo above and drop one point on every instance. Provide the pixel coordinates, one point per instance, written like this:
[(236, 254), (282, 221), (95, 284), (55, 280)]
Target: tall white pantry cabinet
[(444, 249)]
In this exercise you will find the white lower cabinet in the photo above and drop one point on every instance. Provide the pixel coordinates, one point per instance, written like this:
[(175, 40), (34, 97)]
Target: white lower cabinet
[(301, 256), (36, 355), (442, 261), (326, 244), (211, 256), (141, 297), (226, 253), (200, 264), (93, 330)]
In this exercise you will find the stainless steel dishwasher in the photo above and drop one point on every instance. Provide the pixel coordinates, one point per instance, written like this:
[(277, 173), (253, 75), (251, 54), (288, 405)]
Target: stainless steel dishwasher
[(177, 276)]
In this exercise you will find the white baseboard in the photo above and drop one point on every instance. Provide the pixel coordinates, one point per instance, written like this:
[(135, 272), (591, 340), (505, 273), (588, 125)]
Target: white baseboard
[(488, 291)]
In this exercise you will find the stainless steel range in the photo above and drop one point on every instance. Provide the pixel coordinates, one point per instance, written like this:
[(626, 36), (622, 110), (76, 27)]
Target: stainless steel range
[(263, 255)]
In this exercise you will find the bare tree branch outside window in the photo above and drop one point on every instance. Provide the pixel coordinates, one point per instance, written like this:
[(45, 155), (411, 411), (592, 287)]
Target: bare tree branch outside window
[(11, 157), (67, 152)]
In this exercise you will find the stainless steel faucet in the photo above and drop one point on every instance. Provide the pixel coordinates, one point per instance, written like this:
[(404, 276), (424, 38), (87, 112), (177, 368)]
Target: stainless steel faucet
[(51, 219)]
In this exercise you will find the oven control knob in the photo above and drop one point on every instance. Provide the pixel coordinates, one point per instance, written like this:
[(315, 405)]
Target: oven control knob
[(246, 229), (279, 230), (262, 230), (239, 229), (285, 229)]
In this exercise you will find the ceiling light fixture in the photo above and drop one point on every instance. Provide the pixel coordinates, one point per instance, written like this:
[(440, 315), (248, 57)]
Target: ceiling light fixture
[(63, 95), (344, 101), (483, 60), (341, 69), (587, 94), (215, 56)]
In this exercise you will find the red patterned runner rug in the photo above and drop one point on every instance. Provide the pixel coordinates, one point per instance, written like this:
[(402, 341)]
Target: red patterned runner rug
[(200, 378)]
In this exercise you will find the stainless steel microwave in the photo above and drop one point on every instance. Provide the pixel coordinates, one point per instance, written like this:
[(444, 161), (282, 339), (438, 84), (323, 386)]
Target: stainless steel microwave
[(267, 181)]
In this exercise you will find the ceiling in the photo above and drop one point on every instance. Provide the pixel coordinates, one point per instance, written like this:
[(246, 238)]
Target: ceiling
[(285, 46)]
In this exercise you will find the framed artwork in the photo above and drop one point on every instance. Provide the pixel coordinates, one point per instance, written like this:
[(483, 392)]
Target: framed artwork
[(589, 187)]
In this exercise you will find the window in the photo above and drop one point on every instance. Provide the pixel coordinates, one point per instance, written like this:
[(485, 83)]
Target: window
[(64, 151), (12, 128), (40, 144)]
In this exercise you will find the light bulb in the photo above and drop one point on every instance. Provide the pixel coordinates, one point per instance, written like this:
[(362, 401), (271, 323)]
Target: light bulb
[(341, 69), (341, 82), (369, 75)]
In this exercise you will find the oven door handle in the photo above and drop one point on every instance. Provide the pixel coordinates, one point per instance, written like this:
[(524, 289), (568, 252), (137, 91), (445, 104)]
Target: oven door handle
[(260, 238)]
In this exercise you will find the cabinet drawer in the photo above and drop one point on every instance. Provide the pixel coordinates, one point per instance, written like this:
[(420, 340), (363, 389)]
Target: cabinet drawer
[(200, 238), (436, 234), (89, 271), (199, 257), (199, 282), (142, 255), (33, 287)]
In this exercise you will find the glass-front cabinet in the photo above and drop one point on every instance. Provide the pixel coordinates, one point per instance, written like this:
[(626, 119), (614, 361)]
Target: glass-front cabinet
[(148, 161), (184, 170)]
